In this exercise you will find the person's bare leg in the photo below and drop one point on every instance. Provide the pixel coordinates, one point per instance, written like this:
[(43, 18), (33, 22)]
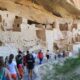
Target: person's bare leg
[(31, 74)]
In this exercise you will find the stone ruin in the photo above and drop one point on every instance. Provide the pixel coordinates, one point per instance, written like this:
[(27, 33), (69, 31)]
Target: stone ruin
[(26, 33)]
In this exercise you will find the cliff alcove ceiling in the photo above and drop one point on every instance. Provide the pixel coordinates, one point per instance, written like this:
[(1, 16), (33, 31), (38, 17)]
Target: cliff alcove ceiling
[(43, 11)]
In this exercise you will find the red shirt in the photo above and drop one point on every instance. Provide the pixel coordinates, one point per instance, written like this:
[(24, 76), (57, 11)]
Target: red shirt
[(40, 55)]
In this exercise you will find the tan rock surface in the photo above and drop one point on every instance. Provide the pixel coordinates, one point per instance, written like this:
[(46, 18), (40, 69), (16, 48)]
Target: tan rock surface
[(43, 11)]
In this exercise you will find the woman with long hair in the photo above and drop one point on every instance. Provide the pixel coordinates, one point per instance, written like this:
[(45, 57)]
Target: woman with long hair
[(4, 73), (12, 67)]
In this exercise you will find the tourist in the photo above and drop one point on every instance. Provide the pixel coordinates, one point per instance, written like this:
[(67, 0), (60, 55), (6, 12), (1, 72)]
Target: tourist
[(34, 54), (55, 56), (58, 54), (24, 60), (4, 73), (61, 54), (6, 61), (70, 54), (12, 67), (30, 61), (64, 54), (19, 61), (40, 57), (47, 55)]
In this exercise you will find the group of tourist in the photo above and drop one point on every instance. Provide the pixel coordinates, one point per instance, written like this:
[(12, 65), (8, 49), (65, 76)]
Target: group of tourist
[(13, 66)]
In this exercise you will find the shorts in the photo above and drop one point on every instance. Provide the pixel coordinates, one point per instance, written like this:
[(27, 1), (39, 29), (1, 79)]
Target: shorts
[(47, 56), (20, 69), (14, 76), (30, 66)]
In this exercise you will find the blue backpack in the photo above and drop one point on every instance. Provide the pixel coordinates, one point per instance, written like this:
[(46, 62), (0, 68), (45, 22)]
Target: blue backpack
[(2, 74)]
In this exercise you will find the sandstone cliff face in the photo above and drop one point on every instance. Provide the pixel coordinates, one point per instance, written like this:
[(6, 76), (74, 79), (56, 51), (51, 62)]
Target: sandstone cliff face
[(76, 3), (43, 11), (61, 8)]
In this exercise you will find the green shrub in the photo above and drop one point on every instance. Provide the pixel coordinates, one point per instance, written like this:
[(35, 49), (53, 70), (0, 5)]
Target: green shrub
[(65, 71), (68, 66)]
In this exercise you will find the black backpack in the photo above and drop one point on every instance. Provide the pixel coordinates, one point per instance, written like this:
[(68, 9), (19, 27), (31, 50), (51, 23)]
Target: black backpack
[(30, 59)]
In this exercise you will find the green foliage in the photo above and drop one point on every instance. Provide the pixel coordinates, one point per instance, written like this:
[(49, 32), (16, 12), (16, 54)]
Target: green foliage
[(65, 71), (68, 66), (79, 52)]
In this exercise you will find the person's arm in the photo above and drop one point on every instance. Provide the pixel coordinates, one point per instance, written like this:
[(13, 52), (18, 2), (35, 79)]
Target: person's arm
[(15, 64), (8, 75), (26, 61), (33, 60), (17, 70)]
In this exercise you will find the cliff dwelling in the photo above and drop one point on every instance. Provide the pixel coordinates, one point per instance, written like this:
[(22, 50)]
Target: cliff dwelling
[(41, 38)]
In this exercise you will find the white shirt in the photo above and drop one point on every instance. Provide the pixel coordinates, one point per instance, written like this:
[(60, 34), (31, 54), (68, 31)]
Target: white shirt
[(12, 67), (34, 55), (70, 54)]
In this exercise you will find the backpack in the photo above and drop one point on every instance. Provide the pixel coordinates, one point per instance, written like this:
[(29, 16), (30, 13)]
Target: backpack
[(2, 75), (19, 59), (30, 59)]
